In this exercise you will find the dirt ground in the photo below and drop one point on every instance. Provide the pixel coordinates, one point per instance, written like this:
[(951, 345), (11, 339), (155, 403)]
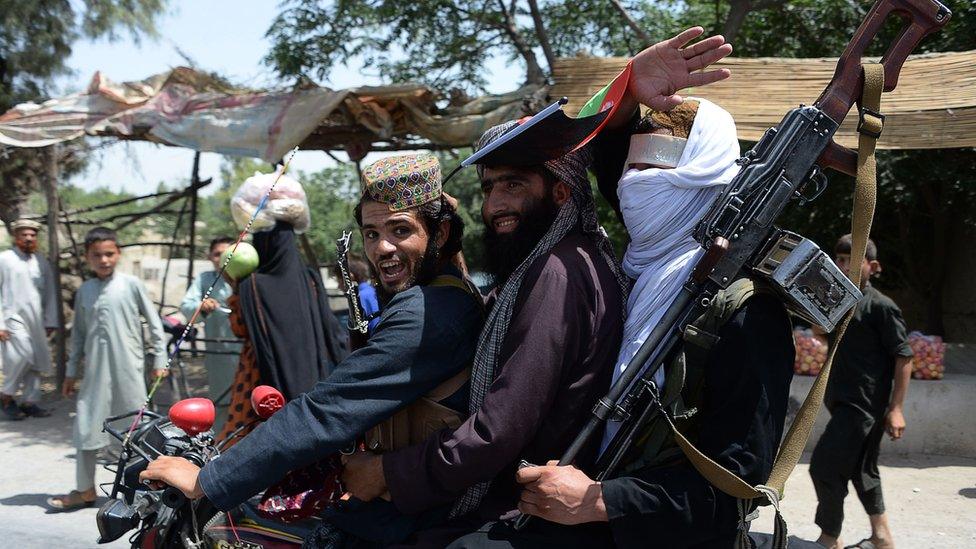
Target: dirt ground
[(931, 499)]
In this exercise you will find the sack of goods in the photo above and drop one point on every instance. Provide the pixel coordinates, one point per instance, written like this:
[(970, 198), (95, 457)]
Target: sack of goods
[(929, 356), (287, 202), (811, 352)]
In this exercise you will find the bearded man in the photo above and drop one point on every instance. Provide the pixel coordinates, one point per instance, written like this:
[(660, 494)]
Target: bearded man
[(28, 314), (738, 380), (549, 344), (411, 372)]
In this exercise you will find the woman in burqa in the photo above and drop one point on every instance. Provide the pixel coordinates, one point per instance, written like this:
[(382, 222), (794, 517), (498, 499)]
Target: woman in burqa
[(292, 339)]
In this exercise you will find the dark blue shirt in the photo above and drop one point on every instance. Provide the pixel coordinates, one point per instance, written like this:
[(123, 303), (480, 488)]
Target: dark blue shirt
[(425, 336)]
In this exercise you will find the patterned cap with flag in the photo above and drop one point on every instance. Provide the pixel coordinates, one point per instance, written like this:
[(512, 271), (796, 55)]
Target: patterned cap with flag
[(551, 134), (403, 181)]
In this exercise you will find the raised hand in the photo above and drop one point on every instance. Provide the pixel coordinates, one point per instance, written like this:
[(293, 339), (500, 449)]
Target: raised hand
[(662, 70)]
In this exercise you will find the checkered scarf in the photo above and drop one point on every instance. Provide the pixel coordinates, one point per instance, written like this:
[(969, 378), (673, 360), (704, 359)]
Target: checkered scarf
[(579, 211)]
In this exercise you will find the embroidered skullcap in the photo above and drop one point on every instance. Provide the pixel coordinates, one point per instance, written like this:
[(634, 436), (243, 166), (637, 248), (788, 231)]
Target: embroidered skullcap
[(403, 181), (24, 223)]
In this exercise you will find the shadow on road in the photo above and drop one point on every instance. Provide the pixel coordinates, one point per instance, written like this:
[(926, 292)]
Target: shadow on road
[(968, 493), (40, 500), (53, 429)]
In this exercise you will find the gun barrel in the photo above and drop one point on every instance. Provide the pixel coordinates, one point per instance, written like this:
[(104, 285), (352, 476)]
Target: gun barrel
[(649, 355)]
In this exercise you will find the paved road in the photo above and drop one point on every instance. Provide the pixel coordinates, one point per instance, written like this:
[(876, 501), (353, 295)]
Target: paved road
[(931, 499), (38, 461), (931, 503)]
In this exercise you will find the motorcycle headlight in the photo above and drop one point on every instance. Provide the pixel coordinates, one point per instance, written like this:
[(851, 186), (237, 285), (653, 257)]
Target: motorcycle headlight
[(114, 519)]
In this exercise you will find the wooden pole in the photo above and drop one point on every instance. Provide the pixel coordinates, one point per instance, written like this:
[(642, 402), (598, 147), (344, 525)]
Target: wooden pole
[(54, 253), (194, 183), (75, 250)]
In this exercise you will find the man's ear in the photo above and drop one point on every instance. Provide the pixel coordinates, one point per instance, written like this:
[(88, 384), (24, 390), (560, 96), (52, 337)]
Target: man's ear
[(875, 267), (443, 233), (561, 193)]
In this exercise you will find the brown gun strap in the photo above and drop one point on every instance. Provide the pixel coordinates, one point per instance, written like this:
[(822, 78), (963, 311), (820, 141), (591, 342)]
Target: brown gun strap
[(865, 192)]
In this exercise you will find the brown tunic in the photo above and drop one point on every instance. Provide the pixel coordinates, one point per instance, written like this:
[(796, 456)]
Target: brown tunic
[(555, 363), (247, 378)]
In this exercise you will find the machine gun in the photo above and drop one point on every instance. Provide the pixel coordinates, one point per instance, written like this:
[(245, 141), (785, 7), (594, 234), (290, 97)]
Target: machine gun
[(739, 235), (357, 323)]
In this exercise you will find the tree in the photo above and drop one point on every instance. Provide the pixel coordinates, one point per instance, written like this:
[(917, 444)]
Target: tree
[(924, 197), (35, 43), (332, 196), (447, 43)]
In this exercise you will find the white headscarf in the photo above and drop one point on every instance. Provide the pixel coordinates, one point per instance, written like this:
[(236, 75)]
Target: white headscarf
[(660, 208)]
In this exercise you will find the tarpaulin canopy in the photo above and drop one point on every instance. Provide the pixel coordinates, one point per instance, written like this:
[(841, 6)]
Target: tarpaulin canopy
[(933, 107), (187, 108)]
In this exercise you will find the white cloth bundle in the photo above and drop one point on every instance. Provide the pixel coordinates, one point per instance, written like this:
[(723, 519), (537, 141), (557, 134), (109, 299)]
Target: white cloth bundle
[(286, 203), (660, 209)]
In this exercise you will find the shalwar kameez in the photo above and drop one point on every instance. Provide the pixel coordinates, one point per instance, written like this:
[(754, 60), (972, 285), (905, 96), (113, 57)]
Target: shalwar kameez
[(108, 337), (28, 305)]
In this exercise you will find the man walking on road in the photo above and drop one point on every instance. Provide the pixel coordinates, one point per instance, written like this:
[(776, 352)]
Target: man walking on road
[(28, 314)]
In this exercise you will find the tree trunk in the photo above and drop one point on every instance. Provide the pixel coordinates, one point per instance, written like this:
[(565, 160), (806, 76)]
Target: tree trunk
[(645, 38), (541, 34), (54, 253), (533, 72), (738, 10)]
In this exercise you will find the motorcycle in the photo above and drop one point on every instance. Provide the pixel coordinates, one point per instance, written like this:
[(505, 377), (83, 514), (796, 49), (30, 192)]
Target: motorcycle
[(165, 518)]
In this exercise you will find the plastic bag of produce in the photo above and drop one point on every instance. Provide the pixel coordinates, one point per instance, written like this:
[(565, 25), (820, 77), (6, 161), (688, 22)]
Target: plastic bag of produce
[(811, 352), (287, 202), (929, 356)]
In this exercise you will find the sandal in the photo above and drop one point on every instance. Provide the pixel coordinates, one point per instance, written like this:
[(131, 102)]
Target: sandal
[(865, 543), (33, 410), (72, 501), (12, 412)]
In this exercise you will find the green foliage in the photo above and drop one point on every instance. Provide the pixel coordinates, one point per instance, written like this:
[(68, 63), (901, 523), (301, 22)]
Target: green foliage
[(928, 191), (442, 41), (75, 200), (447, 43), (36, 37), (466, 188), (35, 44), (214, 209), (593, 27), (332, 196)]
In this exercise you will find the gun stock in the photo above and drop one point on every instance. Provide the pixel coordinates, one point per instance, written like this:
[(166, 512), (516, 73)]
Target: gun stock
[(921, 18)]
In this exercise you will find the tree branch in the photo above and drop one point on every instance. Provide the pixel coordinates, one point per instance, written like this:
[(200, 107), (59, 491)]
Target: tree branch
[(738, 11), (645, 38), (541, 34), (533, 72)]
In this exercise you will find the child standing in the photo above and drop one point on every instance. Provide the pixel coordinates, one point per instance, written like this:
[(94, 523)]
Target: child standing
[(220, 360), (864, 396), (107, 335)]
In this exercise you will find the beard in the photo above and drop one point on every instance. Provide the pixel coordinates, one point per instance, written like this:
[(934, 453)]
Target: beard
[(505, 252), (424, 271), (27, 247)]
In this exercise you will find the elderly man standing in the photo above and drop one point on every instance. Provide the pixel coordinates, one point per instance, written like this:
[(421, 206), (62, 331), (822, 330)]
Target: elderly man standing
[(28, 314)]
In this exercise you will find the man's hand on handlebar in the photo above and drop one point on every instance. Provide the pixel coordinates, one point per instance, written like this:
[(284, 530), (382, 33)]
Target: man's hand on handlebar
[(176, 472)]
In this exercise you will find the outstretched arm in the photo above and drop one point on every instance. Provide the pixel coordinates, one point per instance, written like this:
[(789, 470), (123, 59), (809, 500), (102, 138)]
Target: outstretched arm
[(662, 70)]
